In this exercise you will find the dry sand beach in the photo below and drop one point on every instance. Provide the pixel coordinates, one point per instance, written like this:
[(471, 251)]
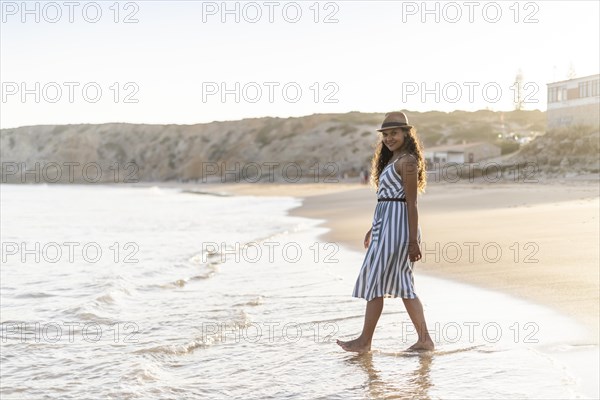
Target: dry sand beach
[(547, 234)]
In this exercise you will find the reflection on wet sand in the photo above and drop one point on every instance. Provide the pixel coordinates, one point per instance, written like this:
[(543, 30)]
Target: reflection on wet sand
[(405, 385)]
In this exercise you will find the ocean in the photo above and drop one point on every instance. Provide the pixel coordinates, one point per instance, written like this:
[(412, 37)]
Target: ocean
[(117, 292)]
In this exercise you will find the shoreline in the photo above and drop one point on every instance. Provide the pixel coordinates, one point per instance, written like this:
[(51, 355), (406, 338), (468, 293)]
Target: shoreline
[(533, 344), (545, 225), (503, 214)]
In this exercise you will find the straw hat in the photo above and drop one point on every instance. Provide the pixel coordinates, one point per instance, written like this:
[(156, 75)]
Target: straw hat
[(395, 119)]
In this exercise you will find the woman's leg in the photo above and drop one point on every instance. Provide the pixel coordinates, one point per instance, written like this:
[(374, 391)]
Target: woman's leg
[(415, 312), (363, 342)]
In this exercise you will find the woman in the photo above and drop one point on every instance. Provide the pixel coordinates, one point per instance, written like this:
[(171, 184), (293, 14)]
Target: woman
[(398, 173)]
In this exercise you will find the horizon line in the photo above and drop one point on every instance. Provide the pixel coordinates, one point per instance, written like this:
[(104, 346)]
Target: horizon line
[(273, 117)]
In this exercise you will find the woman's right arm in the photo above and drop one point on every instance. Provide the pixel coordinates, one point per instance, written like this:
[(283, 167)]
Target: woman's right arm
[(368, 238)]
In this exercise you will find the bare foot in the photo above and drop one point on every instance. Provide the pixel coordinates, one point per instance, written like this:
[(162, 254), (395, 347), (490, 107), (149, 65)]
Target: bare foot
[(356, 345), (426, 345)]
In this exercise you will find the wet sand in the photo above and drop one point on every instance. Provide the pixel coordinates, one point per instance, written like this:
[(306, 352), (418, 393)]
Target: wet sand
[(536, 241)]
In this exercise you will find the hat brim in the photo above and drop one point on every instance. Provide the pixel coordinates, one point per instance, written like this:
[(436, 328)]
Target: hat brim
[(395, 127)]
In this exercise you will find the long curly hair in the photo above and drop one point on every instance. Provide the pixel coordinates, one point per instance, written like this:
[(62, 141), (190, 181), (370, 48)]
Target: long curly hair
[(383, 155)]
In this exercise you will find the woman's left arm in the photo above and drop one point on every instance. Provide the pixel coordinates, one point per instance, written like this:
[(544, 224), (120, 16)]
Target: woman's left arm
[(409, 172)]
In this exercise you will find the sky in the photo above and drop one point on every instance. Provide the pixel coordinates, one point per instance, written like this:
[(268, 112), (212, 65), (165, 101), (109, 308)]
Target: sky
[(188, 62)]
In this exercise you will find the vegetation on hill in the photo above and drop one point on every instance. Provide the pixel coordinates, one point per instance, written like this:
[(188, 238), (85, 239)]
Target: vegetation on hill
[(563, 152), (329, 145)]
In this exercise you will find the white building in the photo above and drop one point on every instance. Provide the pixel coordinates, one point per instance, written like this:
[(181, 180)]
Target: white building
[(461, 153), (574, 102)]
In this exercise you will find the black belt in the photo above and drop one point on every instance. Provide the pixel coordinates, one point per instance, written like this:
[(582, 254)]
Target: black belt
[(402, 199)]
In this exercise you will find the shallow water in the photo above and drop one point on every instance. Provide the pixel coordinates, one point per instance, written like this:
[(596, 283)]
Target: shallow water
[(157, 316)]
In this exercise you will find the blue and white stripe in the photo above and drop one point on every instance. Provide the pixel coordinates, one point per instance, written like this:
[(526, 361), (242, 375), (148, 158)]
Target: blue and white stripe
[(387, 269)]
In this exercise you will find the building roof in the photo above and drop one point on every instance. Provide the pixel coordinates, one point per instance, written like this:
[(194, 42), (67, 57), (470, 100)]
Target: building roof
[(455, 148), (581, 78)]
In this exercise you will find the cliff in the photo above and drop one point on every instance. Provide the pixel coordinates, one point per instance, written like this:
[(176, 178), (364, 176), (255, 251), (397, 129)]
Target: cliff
[(325, 145)]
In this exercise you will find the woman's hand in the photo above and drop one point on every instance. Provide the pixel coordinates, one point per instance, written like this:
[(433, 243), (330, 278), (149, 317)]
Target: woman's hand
[(368, 238), (414, 252)]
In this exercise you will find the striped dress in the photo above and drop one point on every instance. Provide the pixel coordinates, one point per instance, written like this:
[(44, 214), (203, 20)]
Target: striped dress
[(387, 269)]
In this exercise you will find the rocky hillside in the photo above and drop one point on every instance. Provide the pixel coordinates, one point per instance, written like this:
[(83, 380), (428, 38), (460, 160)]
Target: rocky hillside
[(563, 152), (333, 144)]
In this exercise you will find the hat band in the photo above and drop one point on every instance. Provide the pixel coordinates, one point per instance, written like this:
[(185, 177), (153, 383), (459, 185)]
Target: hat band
[(392, 124)]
